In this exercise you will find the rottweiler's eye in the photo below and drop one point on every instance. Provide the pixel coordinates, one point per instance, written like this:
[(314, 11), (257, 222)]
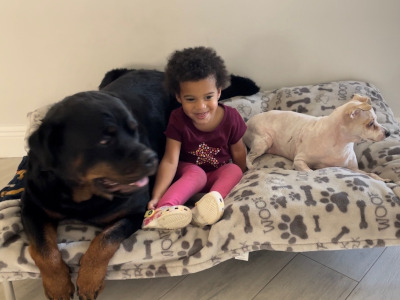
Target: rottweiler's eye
[(106, 140), (108, 135), (132, 126)]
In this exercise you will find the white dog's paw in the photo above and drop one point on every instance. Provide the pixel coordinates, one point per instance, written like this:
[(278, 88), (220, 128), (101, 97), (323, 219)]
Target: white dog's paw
[(300, 165), (249, 163), (377, 177)]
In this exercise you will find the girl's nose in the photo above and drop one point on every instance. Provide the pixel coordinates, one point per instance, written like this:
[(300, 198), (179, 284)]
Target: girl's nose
[(200, 104)]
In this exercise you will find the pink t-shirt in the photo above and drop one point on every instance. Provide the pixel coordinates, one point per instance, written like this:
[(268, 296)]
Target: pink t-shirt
[(209, 150)]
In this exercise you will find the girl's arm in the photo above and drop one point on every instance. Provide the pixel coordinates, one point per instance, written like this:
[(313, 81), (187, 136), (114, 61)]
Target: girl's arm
[(238, 152), (166, 171)]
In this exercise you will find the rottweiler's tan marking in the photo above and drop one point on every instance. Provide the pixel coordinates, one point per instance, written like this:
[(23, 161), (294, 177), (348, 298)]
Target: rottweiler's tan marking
[(55, 273), (94, 171), (86, 189), (93, 264)]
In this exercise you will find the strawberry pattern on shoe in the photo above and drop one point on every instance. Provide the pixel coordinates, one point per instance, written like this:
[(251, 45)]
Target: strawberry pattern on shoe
[(167, 217)]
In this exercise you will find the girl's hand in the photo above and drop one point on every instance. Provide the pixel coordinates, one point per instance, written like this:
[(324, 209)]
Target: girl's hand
[(152, 204)]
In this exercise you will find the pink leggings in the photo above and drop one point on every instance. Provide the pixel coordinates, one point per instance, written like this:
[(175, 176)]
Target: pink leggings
[(190, 179)]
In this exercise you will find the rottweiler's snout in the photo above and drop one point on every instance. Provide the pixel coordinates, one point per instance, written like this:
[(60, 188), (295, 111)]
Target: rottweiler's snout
[(149, 158)]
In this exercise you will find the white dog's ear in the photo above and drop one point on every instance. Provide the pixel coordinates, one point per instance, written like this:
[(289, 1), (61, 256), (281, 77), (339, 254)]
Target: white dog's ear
[(354, 113), (361, 98), (355, 110)]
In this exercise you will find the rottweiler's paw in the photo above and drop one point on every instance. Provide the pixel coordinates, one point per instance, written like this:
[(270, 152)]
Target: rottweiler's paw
[(89, 285), (60, 292), (89, 292)]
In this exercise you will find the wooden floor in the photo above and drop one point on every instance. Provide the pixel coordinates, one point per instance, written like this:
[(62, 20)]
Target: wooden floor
[(351, 274)]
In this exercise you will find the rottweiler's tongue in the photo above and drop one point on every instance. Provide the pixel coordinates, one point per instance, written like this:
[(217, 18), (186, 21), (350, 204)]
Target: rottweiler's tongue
[(141, 182), (125, 188)]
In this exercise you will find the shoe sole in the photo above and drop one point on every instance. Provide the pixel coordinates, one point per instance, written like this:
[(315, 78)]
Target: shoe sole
[(210, 208), (175, 220), (172, 218)]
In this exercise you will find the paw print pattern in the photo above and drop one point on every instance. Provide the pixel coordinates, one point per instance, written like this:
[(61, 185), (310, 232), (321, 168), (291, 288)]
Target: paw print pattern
[(278, 201), (392, 199), (320, 179), (388, 153), (302, 109), (300, 91), (244, 190), (371, 244), (292, 229), (280, 164), (244, 195), (244, 110), (264, 246), (189, 252), (356, 184), (151, 271), (397, 225), (264, 106), (251, 178), (9, 234), (294, 196), (330, 198)]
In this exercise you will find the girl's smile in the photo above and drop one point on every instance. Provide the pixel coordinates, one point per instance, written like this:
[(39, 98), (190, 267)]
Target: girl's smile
[(201, 116), (199, 101)]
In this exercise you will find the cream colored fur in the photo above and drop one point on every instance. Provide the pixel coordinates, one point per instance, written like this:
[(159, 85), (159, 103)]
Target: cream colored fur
[(315, 142)]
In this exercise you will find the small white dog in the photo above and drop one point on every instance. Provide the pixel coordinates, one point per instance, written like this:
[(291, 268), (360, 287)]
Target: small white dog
[(315, 142)]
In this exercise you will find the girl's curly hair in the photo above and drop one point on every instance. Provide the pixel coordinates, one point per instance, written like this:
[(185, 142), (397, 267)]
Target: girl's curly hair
[(193, 64)]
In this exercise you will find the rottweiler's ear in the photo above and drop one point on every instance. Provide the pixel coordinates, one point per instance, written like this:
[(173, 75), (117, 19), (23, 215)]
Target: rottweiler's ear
[(46, 143)]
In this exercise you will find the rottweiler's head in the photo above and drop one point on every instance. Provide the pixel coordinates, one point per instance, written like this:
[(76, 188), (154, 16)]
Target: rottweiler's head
[(93, 143)]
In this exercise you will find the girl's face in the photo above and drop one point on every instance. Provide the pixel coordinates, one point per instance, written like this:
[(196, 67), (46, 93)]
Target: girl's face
[(199, 101)]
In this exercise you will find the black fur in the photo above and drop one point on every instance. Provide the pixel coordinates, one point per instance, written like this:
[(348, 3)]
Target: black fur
[(82, 158), (89, 160), (240, 86)]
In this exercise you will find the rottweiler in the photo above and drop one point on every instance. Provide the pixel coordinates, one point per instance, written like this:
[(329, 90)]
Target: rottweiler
[(93, 159)]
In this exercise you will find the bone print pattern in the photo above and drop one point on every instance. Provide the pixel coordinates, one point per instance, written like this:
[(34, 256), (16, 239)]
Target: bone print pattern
[(272, 208), (361, 205)]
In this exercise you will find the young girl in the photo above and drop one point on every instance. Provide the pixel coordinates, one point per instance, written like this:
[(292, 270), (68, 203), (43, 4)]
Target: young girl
[(204, 148)]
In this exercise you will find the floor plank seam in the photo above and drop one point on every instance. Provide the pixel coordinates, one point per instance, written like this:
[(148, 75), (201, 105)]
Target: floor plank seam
[(273, 277), (328, 267), (365, 274), (173, 287)]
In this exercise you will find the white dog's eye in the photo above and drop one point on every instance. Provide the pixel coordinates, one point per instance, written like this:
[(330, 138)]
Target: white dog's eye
[(370, 124)]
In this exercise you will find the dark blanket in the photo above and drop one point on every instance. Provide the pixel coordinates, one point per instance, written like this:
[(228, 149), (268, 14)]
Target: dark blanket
[(15, 188)]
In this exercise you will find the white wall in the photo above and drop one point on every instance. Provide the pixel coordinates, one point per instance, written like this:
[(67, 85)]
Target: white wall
[(50, 49)]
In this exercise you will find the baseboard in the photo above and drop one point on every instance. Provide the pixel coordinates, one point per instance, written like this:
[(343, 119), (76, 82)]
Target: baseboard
[(12, 141)]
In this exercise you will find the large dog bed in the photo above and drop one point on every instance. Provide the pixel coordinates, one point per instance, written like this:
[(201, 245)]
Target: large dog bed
[(272, 208)]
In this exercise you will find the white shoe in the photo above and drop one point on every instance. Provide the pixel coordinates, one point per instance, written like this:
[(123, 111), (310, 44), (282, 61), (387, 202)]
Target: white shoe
[(208, 210), (167, 217)]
